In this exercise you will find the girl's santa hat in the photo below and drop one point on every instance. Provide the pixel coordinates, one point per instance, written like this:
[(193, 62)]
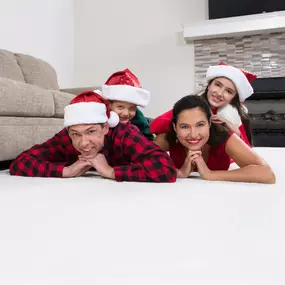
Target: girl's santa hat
[(241, 78), (89, 108), (125, 86)]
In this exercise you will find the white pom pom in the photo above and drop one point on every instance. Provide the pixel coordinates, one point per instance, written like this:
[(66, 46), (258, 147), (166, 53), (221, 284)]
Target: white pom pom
[(231, 114), (114, 120)]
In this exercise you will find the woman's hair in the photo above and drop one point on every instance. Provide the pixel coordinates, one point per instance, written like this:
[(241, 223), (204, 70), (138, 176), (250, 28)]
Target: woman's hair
[(243, 115), (218, 132)]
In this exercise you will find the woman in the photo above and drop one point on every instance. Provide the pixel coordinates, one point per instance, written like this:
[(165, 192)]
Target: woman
[(193, 141), (228, 87)]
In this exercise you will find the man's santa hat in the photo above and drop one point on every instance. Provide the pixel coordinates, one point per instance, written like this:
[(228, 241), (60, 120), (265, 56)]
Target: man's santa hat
[(241, 78), (125, 86), (89, 108)]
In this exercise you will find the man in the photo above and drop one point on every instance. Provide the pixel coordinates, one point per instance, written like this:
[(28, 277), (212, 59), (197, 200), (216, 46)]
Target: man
[(121, 153)]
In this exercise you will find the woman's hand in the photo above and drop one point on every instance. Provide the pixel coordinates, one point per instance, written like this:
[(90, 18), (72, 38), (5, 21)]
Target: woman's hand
[(188, 165), (202, 167)]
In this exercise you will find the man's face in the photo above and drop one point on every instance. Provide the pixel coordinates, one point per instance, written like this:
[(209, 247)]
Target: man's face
[(126, 111), (88, 139)]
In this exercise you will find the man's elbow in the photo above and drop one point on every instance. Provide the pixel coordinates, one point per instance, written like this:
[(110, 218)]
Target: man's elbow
[(169, 175)]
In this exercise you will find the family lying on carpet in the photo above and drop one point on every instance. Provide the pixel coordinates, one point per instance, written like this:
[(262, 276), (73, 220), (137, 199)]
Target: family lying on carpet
[(106, 131)]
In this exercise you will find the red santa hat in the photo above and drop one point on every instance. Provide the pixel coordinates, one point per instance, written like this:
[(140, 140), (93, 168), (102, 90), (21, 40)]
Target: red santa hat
[(89, 108), (241, 78), (125, 86)]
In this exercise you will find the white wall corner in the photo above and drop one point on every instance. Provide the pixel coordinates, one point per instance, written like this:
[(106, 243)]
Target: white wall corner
[(235, 26)]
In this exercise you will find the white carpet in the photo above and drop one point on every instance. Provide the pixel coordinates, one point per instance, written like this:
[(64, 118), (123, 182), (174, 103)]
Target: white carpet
[(90, 230)]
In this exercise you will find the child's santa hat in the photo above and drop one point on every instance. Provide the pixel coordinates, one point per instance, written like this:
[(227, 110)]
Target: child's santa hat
[(241, 78), (125, 86), (89, 108)]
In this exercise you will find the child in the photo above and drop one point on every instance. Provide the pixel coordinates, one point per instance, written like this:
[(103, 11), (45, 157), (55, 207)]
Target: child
[(125, 93)]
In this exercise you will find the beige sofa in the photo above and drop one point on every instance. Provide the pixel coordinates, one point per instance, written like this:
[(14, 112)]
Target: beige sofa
[(31, 103)]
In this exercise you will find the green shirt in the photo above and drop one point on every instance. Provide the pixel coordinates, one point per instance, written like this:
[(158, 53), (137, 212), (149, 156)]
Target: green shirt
[(142, 123)]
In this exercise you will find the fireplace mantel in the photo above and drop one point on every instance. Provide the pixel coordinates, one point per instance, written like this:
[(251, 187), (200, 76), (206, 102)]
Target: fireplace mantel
[(235, 26)]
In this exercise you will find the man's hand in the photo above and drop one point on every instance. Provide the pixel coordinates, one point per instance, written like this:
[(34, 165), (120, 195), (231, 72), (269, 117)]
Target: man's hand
[(101, 165), (188, 165), (76, 169)]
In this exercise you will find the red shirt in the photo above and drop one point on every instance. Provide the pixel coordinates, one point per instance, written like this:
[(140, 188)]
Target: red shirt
[(217, 159), (133, 157)]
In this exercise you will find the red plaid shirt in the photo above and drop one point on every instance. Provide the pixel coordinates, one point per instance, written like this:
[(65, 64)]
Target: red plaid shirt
[(133, 157)]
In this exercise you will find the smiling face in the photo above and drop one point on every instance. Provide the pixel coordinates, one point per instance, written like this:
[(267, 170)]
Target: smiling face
[(126, 111), (192, 128), (221, 91), (88, 139)]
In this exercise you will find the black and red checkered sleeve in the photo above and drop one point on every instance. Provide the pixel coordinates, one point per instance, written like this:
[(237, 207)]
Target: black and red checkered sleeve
[(45, 160), (149, 163)]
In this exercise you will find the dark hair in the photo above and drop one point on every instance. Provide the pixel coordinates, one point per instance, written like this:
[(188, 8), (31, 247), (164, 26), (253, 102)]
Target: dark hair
[(237, 104), (218, 132)]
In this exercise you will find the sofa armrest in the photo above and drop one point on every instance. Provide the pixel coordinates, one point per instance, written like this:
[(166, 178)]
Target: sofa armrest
[(77, 90)]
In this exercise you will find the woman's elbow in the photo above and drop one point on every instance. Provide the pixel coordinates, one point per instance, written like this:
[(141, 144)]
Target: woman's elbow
[(268, 175), (272, 178)]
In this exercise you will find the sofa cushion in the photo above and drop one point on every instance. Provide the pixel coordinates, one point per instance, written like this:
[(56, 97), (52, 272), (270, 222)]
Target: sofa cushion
[(61, 99), (9, 67), (25, 100), (19, 133), (37, 72)]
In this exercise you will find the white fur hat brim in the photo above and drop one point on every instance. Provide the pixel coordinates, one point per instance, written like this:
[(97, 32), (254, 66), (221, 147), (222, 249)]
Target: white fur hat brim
[(126, 93), (242, 84), (88, 113)]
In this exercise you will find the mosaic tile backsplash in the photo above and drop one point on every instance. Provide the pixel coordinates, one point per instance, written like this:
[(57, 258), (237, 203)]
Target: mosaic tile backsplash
[(261, 54)]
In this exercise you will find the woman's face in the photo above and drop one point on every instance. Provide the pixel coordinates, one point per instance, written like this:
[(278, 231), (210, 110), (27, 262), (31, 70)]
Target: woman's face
[(192, 128), (221, 91)]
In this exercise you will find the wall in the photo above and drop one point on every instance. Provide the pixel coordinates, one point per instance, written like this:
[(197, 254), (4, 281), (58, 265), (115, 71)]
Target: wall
[(43, 29), (261, 54), (145, 36)]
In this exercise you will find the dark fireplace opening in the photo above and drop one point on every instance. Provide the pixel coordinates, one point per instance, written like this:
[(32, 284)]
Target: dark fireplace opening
[(266, 109)]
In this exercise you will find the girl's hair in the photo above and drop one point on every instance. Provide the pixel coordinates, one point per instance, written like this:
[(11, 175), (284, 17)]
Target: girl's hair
[(218, 132), (237, 104)]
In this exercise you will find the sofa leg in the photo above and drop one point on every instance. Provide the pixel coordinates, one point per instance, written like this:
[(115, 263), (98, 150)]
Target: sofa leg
[(5, 164)]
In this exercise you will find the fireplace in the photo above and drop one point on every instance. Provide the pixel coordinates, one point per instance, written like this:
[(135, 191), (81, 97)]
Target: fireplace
[(266, 109), (255, 43)]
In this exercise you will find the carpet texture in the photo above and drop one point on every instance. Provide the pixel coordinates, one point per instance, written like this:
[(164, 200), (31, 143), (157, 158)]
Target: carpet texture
[(90, 230)]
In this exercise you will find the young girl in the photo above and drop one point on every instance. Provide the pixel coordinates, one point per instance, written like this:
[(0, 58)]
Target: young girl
[(228, 87), (194, 142), (125, 94)]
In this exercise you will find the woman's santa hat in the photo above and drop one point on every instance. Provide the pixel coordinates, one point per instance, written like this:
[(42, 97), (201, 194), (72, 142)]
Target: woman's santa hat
[(89, 108), (125, 86), (241, 78)]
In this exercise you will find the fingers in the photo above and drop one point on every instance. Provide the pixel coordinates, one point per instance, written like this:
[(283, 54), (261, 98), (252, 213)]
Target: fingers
[(216, 119), (193, 152), (194, 156)]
